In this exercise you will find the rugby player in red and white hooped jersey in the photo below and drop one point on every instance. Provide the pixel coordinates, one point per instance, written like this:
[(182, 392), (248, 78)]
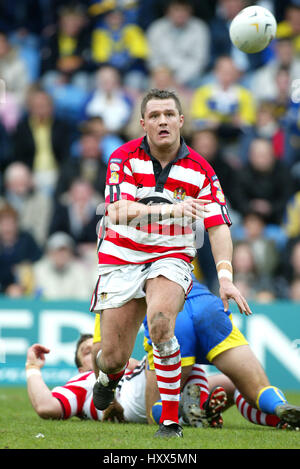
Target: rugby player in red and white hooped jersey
[(156, 188), (75, 398)]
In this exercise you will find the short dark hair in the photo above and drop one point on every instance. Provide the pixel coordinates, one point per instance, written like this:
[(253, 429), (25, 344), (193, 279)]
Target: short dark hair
[(160, 94), (81, 339)]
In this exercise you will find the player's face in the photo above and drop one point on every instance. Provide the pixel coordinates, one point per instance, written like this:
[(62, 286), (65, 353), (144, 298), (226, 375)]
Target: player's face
[(162, 123), (85, 355)]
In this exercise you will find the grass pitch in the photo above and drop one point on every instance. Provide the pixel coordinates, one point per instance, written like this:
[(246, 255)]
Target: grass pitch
[(21, 428)]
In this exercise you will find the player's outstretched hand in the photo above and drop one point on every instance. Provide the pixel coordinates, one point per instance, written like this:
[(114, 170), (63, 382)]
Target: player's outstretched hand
[(36, 355), (228, 291), (191, 208)]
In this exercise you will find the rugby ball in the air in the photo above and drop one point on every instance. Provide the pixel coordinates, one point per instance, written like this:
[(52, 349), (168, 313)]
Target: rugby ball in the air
[(252, 29)]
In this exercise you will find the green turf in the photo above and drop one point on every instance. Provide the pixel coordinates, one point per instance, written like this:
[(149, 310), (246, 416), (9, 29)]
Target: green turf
[(19, 427)]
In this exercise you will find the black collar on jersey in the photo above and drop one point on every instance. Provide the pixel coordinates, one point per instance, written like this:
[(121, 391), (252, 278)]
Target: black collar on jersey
[(161, 175), (182, 153)]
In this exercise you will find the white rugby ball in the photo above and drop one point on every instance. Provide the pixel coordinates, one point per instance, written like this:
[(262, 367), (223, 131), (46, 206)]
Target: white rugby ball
[(252, 29)]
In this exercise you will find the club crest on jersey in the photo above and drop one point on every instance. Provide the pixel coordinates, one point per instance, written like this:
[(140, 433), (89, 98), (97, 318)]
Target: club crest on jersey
[(103, 296), (179, 193), (219, 192), (114, 178), (220, 196), (114, 167)]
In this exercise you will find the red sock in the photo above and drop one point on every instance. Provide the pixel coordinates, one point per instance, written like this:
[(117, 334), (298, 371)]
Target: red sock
[(198, 377), (252, 414), (167, 363), (117, 376)]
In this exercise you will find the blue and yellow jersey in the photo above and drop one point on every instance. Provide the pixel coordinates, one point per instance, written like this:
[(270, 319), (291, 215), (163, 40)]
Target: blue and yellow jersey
[(209, 105), (98, 8), (128, 42), (284, 30), (203, 329)]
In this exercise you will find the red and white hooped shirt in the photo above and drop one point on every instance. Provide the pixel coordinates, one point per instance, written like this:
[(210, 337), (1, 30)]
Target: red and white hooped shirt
[(134, 174), (76, 396)]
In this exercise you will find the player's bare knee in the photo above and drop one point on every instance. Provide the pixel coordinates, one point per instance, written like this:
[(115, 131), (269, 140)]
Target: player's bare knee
[(159, 328), (112, 361)]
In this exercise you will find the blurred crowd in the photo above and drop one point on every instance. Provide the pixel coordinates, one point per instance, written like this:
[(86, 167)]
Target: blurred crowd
[(72, 76)]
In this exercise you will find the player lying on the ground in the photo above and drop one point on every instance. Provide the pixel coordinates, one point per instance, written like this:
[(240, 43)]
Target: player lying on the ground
[(75, 397), (207, 335)]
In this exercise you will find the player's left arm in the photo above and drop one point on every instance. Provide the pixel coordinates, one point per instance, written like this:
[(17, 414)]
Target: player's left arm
[(221, 246), (40, 396)]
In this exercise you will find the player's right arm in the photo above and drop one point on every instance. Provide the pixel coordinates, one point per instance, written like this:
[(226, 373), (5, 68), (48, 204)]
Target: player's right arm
[(125, 211), (121, 191), (40, 396)]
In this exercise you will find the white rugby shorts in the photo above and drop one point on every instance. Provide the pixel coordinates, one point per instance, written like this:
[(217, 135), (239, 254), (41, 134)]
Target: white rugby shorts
[(118, 287)]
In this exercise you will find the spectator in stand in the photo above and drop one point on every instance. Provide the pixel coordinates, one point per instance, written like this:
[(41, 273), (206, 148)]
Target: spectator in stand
[(161, 78), (122, 45), (41, 141), (59, 274), (290, 26), (268, 126), (151, 10), (66, 51), (282, 98), (244, 269), (107, 141), (87, 165), (287, 109), (291, 264), (263, 185), (221, 45), (28, 46), (223, 100), (68, 97), (14, 76), (76, 214), (223, 104), (32, 205), (109, 100), (264, 248), (98, 8), (180, 41), (13, 71), (17, 250), (264, 84), (206, 143)]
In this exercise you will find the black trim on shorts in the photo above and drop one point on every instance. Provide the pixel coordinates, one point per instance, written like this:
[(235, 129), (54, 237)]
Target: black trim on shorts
[(95, 295)]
